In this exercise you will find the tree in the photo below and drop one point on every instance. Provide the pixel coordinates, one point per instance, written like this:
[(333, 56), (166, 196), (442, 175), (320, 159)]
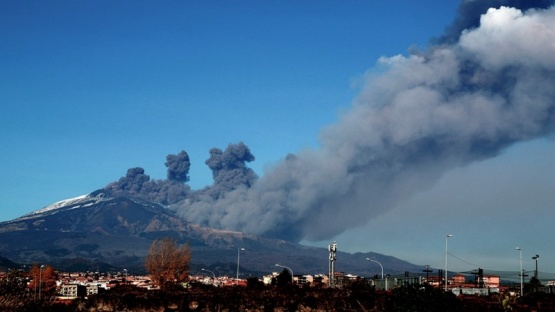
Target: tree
[(43, 281), (168, 263), (283, 279), (254, 283), (533, 285)]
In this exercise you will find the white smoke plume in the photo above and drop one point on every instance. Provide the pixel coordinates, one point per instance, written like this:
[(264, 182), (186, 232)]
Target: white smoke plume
[(417, 117)]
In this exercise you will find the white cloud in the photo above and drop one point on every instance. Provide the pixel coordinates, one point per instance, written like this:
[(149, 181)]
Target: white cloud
[(508, 36)]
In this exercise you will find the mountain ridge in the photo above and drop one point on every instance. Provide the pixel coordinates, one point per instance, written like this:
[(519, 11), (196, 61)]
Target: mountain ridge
[(117, 231)]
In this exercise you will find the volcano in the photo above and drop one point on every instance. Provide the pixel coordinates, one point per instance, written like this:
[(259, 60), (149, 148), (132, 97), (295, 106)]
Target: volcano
[(101, 231)]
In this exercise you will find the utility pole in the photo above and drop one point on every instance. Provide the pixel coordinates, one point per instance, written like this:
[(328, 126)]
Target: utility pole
[(427, 273), (446, 237), (238, 258), (536, 271)]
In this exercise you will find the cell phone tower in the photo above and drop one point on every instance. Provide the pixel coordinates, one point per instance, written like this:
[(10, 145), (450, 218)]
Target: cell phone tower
[(332, 249)]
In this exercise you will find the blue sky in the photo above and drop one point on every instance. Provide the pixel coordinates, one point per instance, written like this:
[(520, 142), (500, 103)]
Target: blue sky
[(92, 88), (89, 89)]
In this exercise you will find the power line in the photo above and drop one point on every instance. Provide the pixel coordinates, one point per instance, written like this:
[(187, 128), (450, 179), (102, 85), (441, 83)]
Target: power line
[(452, 255)]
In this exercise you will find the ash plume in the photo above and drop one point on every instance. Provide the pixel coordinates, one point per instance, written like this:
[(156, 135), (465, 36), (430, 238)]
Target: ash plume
[(484, 87), (416, 117), (229, 169), (139, 185), (178, 167)]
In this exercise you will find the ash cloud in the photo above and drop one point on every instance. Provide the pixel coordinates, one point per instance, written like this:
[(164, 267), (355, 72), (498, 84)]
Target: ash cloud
[(178, 167), (229, 169), (416, 117), (139, 185)]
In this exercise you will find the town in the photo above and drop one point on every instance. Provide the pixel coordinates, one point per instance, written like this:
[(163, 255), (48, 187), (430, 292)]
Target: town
[(43, 286), (171, 284), (83, 284)]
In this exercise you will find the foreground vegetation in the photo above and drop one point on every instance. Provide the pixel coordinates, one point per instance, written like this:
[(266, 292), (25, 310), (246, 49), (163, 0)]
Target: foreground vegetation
[(257, 297)]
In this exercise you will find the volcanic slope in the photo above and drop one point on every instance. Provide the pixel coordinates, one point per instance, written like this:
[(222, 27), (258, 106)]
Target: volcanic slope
[(100, 231)]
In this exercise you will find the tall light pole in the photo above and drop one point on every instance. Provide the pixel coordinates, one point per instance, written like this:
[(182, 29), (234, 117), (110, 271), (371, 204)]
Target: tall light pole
[(40, 279), (446, 237), (238, 257), (536, 272), (381, 266), (521, 272), (283, 266), (125, 270)]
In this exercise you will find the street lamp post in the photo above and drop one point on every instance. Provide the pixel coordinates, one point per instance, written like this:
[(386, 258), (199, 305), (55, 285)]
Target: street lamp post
[(521, 272), (446, 237), (40, 279), (238, 257), (125, 270), (35, 282), (291, 271), (381, 266), (536, 275), (213, 275)]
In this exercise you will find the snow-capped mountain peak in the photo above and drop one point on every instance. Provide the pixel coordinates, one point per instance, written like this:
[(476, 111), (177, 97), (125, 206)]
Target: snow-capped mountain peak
[(67, 204)]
